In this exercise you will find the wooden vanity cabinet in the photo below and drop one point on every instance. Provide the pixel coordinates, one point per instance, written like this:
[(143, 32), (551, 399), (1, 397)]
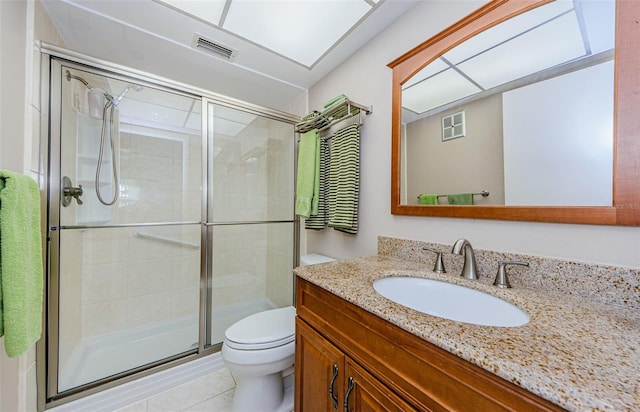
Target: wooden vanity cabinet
[(391, 369), (369, 394), (331, 379), (319, 375)]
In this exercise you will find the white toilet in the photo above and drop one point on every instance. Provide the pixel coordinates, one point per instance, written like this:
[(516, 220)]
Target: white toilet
[(259, 351)]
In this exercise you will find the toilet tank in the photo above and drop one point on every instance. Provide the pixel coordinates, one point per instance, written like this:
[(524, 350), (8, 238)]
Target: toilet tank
[(313, 259)]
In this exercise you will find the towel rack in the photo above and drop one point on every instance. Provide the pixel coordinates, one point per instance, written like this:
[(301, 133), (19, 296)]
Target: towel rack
[(484, 193), (331, 116)]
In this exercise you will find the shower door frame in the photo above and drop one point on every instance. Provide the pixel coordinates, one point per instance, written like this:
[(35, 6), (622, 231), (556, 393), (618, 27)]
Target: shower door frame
[(53, 58)]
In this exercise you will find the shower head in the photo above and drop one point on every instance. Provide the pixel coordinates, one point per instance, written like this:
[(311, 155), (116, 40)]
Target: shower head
[(135, 87)]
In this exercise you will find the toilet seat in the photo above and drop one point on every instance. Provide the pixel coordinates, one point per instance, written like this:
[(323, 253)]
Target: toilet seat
[(263, 330)]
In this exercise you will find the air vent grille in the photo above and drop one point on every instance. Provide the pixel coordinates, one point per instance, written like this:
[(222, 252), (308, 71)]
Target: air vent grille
[(211, 47)]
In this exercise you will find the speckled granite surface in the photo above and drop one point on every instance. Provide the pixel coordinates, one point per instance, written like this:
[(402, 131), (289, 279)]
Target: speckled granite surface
[(601, 283), (577, 353)]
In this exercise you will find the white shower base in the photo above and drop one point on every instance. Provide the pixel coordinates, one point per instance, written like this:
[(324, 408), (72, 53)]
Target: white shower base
[(157, 384), (102, 356)]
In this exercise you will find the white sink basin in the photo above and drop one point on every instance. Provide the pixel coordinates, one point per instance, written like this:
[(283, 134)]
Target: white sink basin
[(450, 301)]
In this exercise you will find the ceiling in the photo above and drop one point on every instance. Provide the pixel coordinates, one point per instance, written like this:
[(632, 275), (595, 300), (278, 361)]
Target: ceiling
[(158, 36), (573, 31), (297, 30)]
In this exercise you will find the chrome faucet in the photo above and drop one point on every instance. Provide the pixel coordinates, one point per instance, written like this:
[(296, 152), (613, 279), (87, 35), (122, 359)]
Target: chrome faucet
[(438, 266), (502, 280), (470, 267)]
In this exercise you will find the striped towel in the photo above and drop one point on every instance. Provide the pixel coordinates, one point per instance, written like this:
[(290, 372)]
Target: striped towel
[(319, 221), (344, 179), (312, 120), (337, 109)]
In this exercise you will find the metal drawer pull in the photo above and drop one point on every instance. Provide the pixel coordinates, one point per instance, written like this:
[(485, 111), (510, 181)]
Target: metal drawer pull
[(334, 398), (346, 397)]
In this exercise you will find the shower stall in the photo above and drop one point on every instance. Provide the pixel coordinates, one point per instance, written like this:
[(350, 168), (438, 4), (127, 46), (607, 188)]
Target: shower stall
[(170, 216)]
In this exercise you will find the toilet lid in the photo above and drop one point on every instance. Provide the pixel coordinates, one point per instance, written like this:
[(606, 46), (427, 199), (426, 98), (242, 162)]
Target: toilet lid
[(263, 330)]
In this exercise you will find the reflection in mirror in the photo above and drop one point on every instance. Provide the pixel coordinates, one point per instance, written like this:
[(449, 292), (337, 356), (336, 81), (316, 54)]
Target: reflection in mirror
[(523, 110)]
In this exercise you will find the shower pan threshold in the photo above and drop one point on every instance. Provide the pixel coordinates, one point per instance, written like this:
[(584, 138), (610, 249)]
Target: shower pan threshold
[(102, 356), (147, 387)]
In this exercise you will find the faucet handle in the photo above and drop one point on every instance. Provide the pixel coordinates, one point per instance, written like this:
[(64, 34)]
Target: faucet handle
[(502, 280), (438, 267)]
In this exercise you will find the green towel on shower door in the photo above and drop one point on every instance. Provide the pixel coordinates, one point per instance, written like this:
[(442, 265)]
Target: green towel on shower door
[(21, 272)]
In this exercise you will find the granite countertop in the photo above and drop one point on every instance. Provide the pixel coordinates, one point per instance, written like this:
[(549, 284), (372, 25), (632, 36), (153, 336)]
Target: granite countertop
[(578, 354)]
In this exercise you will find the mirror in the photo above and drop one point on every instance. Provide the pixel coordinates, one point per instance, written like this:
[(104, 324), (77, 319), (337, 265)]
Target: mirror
[(519, 112)]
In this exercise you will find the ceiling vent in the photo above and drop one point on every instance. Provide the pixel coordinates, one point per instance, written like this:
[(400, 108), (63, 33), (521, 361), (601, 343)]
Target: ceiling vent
[(213, 48)]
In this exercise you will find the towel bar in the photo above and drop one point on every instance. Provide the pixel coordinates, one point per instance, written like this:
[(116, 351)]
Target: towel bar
[(484, 193)]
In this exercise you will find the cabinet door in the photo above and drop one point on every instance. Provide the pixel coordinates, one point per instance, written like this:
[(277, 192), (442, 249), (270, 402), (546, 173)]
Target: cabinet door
[(365, 393), (319, 372)]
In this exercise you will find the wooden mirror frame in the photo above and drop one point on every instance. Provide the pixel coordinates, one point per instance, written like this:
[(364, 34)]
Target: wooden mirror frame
[(626, 157)]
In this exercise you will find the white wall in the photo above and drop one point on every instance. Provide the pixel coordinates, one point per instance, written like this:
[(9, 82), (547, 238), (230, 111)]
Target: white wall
[(19, 119), (366, 79)]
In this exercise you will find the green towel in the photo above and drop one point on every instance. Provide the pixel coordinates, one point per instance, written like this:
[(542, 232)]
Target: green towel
[(339, 98), (316, 181), (460, 199), (336, 109), (428, 199), (319, 221), (21, 273), (306, 179)]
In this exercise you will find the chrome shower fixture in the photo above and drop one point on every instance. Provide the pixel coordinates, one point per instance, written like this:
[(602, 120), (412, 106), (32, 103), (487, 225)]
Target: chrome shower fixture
[(135, 87), (108, 110), (110, 99)]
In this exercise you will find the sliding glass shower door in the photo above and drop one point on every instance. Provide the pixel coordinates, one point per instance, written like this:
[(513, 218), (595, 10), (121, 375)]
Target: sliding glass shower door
[(125, 225), (170, 217), (250, 217)]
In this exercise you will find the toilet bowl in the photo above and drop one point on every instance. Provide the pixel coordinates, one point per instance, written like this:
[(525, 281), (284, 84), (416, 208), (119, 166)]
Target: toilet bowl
[(259, 351)]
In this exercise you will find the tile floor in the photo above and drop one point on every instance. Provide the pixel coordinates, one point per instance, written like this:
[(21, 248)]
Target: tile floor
[(211, 393)]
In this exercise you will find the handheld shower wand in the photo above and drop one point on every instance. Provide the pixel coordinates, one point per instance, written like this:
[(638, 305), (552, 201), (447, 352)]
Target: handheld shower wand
[(108, 112)]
